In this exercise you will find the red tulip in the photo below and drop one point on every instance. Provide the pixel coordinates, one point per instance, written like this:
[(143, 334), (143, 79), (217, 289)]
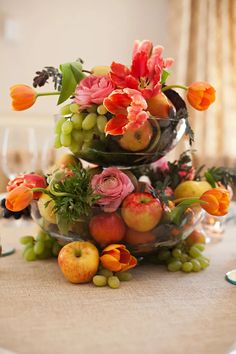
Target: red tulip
[(23, 97), (19, 198), (217, 201), (30, 181), (200, 95)]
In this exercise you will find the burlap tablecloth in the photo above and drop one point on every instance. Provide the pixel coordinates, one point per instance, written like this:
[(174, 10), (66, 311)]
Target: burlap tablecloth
[(157, 312)]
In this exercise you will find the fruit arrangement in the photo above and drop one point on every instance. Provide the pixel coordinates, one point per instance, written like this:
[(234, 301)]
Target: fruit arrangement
[(103, 220)]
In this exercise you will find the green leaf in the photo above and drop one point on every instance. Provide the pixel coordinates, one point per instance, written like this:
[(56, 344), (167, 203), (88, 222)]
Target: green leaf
[(164, 76), (71, 75), (210, 179)]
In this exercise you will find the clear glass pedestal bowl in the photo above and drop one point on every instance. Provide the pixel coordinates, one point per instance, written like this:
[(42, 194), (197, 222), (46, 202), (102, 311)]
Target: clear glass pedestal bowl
[(139, 243)]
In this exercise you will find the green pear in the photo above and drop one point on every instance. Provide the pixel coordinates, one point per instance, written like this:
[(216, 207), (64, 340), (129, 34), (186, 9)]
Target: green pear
[(191, 189)]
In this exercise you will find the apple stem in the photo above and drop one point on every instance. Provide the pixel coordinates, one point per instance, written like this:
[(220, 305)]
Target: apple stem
[(78, 253)]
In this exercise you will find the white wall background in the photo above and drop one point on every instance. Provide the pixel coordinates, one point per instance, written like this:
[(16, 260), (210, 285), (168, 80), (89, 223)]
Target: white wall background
[(49, 32)]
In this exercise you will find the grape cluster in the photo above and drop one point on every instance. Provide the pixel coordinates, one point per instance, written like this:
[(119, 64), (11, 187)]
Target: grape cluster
[(43, 246), (6, 213), (106, 277), (76, 130), (182, 257)]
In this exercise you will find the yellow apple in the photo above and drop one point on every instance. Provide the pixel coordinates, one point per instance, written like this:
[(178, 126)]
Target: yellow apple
[(79, 261), (191, 189), (137, 139), (46, 210), (100, 70)]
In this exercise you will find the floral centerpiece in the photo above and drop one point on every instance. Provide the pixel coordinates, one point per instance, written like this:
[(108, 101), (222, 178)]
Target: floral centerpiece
[(117, 117)]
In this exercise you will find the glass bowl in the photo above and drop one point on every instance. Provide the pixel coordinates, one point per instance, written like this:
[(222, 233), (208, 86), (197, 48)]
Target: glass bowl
[(139, 243), (166, 133)]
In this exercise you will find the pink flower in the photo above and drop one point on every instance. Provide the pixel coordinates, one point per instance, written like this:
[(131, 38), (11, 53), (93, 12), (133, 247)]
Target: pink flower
[(146, 69), (129, 107), (113, 186), (187, 175), (93, 89), (161, 164)]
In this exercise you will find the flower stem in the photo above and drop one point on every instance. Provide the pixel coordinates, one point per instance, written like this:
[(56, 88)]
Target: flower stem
[(48, 93), (174, 86)]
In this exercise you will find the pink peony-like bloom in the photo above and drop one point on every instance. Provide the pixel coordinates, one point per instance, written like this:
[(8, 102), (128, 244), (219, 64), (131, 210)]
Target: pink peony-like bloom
[(93, 89), (129, 109), (113, 186)]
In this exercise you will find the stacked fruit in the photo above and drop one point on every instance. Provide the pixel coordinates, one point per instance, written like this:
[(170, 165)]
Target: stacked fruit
[(43, 246), (77, 130)]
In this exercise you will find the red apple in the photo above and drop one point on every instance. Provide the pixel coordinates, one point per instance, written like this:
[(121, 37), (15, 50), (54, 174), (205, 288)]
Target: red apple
[(79, 261), (141, 211), (133, 237), (107, 228)]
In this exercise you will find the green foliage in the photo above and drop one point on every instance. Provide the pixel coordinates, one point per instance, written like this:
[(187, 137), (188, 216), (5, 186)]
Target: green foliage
[(164, 76), (71, 75)]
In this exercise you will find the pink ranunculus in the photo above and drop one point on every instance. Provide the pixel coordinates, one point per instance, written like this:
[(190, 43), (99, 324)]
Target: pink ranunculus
[(93, 89), (113, 186)]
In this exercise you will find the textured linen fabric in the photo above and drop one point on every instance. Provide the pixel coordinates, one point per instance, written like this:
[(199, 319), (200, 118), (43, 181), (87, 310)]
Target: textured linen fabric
[(157, 312)]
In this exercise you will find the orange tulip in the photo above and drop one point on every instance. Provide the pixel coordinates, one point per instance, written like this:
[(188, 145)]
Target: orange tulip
[(19, 198), (117, 258), (23, 97), (200, 95), (217, 201)]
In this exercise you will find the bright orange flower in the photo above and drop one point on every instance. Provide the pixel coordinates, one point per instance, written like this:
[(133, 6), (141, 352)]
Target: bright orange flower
[(19, 198), (217, 200), (201, 95), (117, 258), (23, 97)]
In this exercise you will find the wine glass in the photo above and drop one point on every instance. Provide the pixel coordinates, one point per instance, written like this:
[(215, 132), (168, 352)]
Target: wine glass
[(19, 151)]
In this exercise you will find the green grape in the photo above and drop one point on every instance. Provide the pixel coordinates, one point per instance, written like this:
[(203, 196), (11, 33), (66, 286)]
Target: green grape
[(42, 236), (101, 110), (78, 136), (88, 136), (74, 146), (196, 265), (113, 282), (24, 240), (47, 253), (200, 246), (65, 140), (39, 247), (67, 127), (124, 276), (65, 110), (101, 123), (99, 280), (57, 141), (176, 253), (187, 267), (174, 266), (194, 252), (184, 258), (58, 125), (163, 255), (49, 243), (56, 249), (29, 254), (105, 272), (89, 121), (203, 262), (74, 107), (28, 245), (92, 109), (77, 120)]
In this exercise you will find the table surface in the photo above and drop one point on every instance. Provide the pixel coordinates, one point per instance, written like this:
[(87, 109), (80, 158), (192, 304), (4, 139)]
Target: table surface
[(157, 312)]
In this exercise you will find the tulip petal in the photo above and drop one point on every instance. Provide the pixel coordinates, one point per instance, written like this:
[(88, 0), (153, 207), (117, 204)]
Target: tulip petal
[(116, 125), (113, 246), (19, 198), (110, 263)]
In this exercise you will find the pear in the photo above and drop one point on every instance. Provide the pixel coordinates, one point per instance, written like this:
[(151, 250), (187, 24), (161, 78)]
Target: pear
[(100, 70), (46, 210), (191, 189), (160, 106)]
